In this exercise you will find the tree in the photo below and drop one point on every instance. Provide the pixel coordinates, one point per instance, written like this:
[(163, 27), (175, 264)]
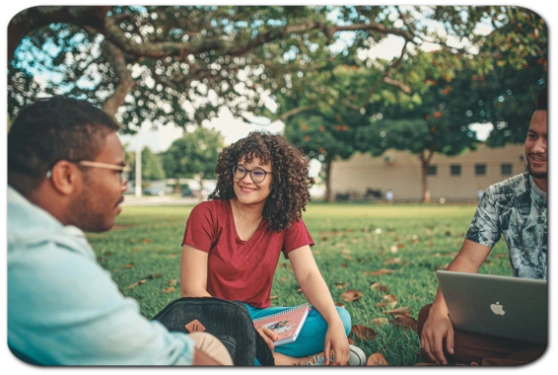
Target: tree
[(195, 153), (151, 169), (180, 64)]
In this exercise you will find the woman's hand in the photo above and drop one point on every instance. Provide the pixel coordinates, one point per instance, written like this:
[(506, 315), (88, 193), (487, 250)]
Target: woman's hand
[(336, 345), (269, 336)]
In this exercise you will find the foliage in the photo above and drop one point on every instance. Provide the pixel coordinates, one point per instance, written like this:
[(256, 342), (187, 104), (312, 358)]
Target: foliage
[(151, 169), (195, 153), (179, 64)]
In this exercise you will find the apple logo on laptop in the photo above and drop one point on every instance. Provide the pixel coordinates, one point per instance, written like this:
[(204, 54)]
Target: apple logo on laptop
[(497, 308)]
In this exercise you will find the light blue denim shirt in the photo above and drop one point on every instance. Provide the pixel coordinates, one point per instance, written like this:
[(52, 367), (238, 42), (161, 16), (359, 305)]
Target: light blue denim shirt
[(64, 309)]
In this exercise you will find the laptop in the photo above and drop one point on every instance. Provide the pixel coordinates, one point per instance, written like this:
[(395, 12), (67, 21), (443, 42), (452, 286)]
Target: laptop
[(503, 306)]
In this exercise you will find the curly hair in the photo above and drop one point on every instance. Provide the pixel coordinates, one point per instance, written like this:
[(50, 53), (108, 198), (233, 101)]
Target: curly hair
[(50, 130), (291, 182)]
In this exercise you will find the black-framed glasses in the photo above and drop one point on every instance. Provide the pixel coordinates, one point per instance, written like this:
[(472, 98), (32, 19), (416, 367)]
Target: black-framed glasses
[(257, 174), (123, 170)]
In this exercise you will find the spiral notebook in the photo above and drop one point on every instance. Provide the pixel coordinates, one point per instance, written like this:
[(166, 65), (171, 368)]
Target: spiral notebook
[(286, 324)]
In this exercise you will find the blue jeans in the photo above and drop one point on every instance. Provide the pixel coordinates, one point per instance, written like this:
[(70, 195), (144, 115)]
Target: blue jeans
[(312, 335)]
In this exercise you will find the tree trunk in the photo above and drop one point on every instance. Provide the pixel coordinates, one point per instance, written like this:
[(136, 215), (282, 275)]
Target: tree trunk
[(425, 162), (177, 189), (329, 197)]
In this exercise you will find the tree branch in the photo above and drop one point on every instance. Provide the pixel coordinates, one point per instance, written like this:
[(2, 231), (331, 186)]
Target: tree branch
[(124, 80), (295, 111)]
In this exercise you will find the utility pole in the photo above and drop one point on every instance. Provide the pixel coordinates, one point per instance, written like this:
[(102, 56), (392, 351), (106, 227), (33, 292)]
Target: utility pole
[(138, 168)]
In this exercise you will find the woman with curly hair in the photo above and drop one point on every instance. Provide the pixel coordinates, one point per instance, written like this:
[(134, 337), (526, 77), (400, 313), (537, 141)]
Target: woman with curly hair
[(232, 245)]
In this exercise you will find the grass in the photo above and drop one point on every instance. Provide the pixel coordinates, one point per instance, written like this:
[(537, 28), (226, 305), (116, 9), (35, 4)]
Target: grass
[(350, 241)]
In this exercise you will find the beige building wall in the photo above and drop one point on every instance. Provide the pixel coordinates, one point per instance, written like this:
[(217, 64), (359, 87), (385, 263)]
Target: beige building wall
[(401, 172)]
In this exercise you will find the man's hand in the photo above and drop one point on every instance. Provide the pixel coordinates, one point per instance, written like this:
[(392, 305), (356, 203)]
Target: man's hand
[(437, 328), (269, 336)]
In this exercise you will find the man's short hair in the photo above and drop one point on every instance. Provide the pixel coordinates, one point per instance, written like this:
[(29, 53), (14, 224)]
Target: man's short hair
[(542, 101), (51, 130)]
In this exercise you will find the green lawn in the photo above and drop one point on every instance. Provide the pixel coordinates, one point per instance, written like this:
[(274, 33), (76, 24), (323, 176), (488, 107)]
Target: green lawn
[(351, 241)]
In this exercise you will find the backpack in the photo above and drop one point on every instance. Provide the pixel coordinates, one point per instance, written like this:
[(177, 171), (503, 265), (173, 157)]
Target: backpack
[(229, 321)]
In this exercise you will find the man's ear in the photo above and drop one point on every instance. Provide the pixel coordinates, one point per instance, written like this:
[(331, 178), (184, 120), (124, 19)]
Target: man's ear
[(65, 177)]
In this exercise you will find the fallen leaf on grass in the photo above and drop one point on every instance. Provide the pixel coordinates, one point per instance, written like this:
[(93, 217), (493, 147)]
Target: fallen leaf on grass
[(390, 298), (136, 284), (351, 341), (129, 265), (380, 321), (344, 265), (136, 249), (273, 297), (132, 240), (147, 240), (351, 295), (377, 359), (157, 275), (401, 245), (172, 255), (405, 321), (383, 271), (172, 282), (431, 244), (363, 333), (341, 285), (399, 311), (391, 304), (345, 251), (486, 261), (170, 289), (379, 287), (299, 290), (500, 256), (339, 304)]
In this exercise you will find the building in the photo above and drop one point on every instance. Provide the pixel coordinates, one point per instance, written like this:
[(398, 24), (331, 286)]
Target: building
[(453, 178)]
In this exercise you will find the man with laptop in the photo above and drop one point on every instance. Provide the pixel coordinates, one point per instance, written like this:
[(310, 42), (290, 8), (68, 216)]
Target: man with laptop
[(517, 209)]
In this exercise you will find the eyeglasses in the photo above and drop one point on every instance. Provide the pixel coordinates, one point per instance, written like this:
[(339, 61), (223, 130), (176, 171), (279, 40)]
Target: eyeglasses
[(257, 175), (124, 170)]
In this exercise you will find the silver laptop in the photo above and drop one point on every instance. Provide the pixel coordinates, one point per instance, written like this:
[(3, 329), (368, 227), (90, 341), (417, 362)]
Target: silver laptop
[(502, 306)]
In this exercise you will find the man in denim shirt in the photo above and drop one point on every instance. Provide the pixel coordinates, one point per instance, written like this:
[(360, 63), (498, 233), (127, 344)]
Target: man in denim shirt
[(517, 210), (65, 175)]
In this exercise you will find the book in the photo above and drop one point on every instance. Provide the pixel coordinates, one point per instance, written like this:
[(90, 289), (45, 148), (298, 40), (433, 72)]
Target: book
[(287, 324)]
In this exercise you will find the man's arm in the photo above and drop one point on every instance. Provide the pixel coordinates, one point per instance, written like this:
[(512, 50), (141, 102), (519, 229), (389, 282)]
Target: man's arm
[(438, 325)]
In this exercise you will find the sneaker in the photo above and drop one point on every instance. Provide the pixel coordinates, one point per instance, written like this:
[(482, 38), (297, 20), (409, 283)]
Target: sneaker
[(357, 357)]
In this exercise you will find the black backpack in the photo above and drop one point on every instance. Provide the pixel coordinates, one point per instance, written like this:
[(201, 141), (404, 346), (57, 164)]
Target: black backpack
[(229, 321)]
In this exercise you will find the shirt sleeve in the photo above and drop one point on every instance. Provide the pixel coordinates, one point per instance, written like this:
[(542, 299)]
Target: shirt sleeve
[(64, 309), (485, 228), (296, 236), (200, 228)]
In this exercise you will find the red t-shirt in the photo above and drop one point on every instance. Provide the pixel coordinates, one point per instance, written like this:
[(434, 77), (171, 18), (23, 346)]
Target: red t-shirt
[(240, 270)]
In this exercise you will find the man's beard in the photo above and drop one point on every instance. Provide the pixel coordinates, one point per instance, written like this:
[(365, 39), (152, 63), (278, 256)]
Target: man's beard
[(536, 174)]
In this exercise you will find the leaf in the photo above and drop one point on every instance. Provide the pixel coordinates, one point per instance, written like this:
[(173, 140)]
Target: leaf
[(500, 256), (172, 282), (399, 311), (299, 290), (405, 321), (351, 295), (351, 341), (157, 275), (172, 255), (401, 245), (147, 240), (136, 249), (273, 297), (344, 265), (129, 265), (341, 285), (339, 304), (390, 298), (383, 271), (391, 304), (170, 289), (363, 333), (377, 359), (345, 251), (132, 240), (380, 321), (379, 287)]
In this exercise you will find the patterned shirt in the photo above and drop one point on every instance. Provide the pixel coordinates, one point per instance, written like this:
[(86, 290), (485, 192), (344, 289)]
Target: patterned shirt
[(516, 208)]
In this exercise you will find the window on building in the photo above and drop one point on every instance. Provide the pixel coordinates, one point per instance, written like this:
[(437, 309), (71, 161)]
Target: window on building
[(455, 169), (480, 169), (506, 169), (432, 170)]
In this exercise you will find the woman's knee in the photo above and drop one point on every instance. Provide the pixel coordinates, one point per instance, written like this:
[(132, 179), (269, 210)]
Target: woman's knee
[(345, 318)]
